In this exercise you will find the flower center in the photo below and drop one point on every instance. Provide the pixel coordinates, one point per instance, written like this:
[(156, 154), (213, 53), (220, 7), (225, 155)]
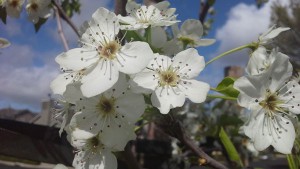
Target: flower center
[(168, 78), (109, 50), (94, 144), (106, 106), (271, 103)]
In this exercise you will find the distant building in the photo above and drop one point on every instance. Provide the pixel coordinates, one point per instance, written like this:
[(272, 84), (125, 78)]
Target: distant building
[(233, 71)]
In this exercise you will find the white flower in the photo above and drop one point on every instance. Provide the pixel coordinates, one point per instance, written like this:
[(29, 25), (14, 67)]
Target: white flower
[(4, 43), (260, 61), (270, 34), (13, 7), (171, 80), (38, 9), (93, 154), (190, 34), (98, 62), (142, 16), (273, 100), (112, 114), (60, 166)]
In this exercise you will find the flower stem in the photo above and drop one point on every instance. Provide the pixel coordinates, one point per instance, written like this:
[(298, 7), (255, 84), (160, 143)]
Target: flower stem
[(148, 35), (221, 97), (250, 45)]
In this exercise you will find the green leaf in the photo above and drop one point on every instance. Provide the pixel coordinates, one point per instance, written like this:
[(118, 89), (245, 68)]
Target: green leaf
[(38, 25), (230, 149), (226, 87), (291, 161), (3, 14)]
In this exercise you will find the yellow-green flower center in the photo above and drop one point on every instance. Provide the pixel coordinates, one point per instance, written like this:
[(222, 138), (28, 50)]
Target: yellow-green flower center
[(271, 103), (105, 106), (109, 50), (168, 78)]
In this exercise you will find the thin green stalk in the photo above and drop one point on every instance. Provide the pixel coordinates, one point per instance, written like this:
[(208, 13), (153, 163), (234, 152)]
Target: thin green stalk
[(221, 97), (148, 35), (250, 45)]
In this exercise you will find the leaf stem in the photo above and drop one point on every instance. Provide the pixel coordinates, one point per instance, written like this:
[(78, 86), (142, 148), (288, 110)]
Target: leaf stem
[(221, 97), (250, 45)]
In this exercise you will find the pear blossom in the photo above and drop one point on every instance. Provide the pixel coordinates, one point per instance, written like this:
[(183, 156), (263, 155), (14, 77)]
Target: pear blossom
[(38, 9), (271, 33), (100, 59), (112, 113), (92, 153), (141, 16), (172, 80), (273, 100), (260, 61), (13, 7), (190, 34)]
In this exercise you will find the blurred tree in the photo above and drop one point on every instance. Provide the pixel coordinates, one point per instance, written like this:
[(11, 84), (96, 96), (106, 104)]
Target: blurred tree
[(288, 16)]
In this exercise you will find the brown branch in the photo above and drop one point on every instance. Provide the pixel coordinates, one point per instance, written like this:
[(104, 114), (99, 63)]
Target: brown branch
[(60, 29), (151, 2), (120, 7), (174, 128), (204, 10), (130, 159), (65, 17)]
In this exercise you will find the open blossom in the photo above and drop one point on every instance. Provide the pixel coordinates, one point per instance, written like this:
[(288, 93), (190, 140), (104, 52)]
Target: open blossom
[(38, 9), (100, 59), (112, 113), (190, 34), (273, 100), (172, 80), (92, 153), (266, 37), (13, 7), (260, 61), (141, 16)]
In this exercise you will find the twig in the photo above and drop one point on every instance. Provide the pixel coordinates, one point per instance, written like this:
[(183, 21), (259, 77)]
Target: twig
[(65, 17), (204, 10), (60, 30), (174, 128), (120, 6)]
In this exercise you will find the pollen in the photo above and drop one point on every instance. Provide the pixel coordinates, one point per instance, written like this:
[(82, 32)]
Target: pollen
[(168, 78), (109, 50), (105, 106)]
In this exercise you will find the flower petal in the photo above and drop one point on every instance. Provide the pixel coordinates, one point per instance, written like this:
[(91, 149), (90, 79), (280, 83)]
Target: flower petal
[(77, 58), (190, 63), (167, 98), (134, 57), (158, 37), (143, 81), (131, 106), (59, 84), (192, 26), (256, 64), (101, 78), (204, 42), (195, 90)]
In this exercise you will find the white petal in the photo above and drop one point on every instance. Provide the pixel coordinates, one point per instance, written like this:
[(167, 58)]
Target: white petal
[(73, 93), (192, 26), (60, 166), (106, 160), (158, 37), (117, 137), (172, 47), (134, 57), (190, 62), (118, 88), (195, 90), (77, 58), (256, 64), (204, 42), (132, 6), (144, 80), (58, 85), (163, 5), (85, 124), (283, 142), (165, 99), (275, 32), (131, 106), (101, 78)]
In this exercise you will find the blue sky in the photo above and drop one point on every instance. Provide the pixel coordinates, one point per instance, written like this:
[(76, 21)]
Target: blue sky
[(27, 66)]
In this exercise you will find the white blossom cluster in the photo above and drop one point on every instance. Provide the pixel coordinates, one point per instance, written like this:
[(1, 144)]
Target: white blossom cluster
[(105, 79), (35, 9), (271, 94)]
